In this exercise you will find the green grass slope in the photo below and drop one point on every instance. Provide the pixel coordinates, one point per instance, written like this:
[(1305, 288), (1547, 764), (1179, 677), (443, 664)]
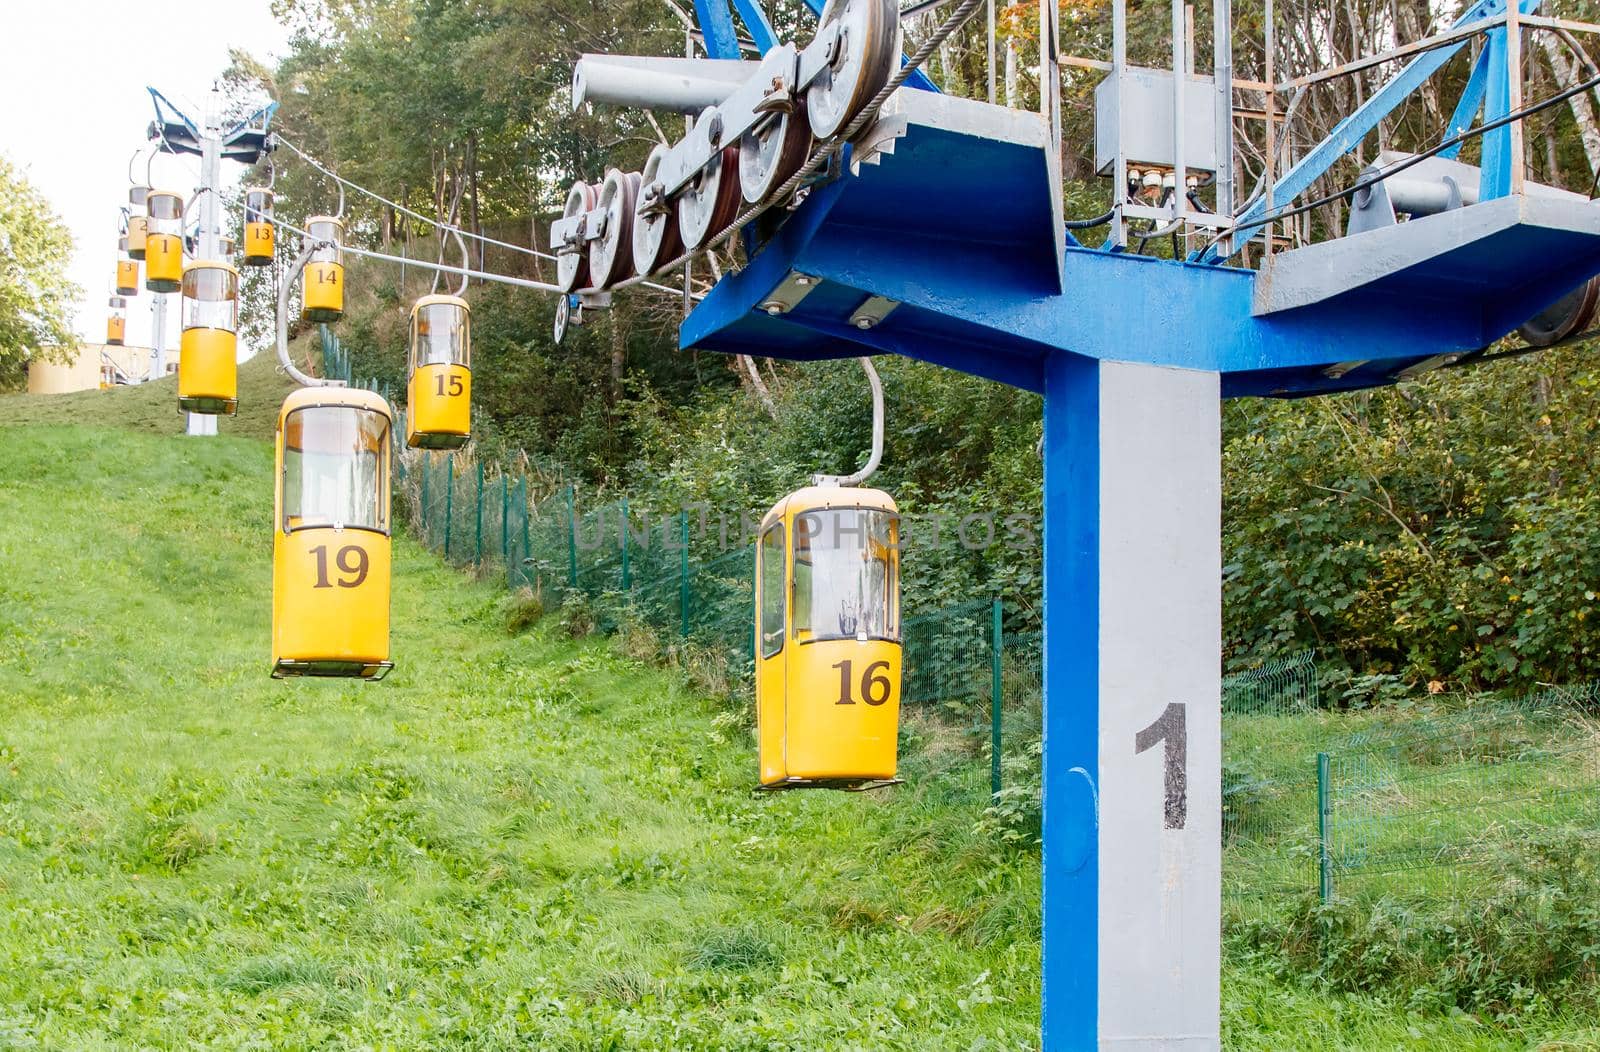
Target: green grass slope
[(153, 407), (514, 842)]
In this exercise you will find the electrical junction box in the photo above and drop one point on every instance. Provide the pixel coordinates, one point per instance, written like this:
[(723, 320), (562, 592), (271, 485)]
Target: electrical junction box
[(1138, 104)]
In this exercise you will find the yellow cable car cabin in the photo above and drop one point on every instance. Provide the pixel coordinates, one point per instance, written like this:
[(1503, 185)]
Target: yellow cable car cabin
[(163, 243), (117, 322), (439, 387), (259, 234), (828, 639), (138, 223), (322, 285), (127, 277), (330, 547), (208, 359)]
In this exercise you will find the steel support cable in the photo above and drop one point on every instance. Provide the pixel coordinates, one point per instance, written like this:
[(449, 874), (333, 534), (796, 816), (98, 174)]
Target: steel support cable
[(956, 20), (402, 209), (1399, 166), (443, 268)]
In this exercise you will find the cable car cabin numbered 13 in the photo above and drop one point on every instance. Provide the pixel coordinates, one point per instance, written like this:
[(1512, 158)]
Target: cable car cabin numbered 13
[(260, 237), (330, 547), (828, 639), (439, 391)]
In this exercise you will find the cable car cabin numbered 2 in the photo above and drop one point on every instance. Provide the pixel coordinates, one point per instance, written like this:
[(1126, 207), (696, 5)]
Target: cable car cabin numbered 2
[(828, 640), (330, 547), (439, 391)]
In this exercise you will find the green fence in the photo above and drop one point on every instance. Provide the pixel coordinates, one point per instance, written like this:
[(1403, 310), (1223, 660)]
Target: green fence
[(689, 576)]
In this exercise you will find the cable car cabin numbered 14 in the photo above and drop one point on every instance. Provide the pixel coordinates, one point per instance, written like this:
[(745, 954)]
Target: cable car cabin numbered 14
[(260, 238), (330, 548), (163, 242), (439, 392), (828, 639), (208, 359), (322, 284)]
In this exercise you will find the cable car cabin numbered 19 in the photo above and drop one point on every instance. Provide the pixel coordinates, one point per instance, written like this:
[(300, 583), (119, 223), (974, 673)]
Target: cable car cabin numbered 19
[(208, 369), (330, 548), (828, 639), (439, 391)]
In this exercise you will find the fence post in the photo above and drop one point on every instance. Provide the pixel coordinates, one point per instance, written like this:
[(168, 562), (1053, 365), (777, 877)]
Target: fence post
[(449, 502), (527, 547), (627, 578), (422, 510), (683, 573), (478, 558), (1324, 819), (994, 702), (505, 517), (572, 539)]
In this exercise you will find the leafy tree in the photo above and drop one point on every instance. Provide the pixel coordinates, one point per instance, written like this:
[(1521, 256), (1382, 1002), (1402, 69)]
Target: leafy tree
[(35, 296)]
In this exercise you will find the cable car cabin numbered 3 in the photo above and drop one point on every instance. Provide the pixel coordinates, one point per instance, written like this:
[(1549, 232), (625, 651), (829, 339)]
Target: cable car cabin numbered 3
[(828, 640), (322, 284), (330, 547), (439, 391), (208, 369), (163, 243), (260, 237)]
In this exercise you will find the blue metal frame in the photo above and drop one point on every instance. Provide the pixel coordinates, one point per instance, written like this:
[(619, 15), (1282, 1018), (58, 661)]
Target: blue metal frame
[(1348, 133)]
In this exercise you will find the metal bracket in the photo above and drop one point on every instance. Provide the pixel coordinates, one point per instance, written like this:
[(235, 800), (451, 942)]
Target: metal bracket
[(873, 310), (794, 288)]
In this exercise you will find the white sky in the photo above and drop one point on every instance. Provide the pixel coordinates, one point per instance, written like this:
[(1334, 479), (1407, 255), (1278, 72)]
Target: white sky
[(73, 108)]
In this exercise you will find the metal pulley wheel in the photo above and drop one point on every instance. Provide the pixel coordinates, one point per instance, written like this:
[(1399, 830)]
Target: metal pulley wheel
[(863, 59), (563, 316), (1567, 316), (711, 200), (773, 151), (572, 261), (611, 254), (656, 241)]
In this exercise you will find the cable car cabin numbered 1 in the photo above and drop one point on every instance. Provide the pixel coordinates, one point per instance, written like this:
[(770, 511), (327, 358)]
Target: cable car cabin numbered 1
[(163, 243), (260, 238), (330, 548), (208, 360), (322, 284), (828, 639), (439, 391)]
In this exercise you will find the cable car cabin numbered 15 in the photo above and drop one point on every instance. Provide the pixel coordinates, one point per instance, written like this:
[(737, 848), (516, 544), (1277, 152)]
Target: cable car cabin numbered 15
[(208, 360), (439, 391), (828, 639), (163, 243), (260, 238), (330, 548), (322, 284)]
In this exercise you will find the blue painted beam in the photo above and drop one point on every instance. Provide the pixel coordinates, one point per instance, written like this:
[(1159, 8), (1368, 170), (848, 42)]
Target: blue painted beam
[(1348, 133), (716, 26), (1470, 103), (755, 20), (1495, 180)]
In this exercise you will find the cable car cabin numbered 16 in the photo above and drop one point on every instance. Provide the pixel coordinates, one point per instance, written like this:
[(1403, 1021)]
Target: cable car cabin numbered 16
[(208, 360), (439, 392), (828, 639), (330, 547)]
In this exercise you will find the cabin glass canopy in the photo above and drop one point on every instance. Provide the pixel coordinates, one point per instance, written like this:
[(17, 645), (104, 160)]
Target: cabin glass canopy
[(333, 468), (844, 585)]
